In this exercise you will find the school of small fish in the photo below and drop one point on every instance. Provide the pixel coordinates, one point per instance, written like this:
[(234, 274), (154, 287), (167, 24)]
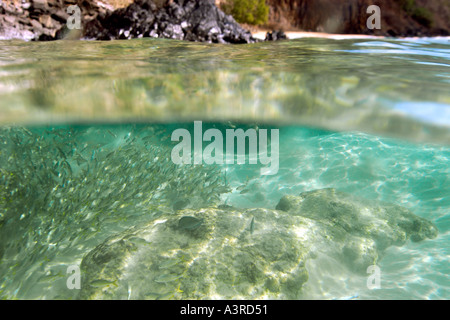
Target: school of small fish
[(63, 190)]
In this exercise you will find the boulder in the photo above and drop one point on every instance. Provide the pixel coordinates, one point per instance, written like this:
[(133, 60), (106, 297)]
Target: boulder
[(247, 253), (42, 19), (275, 35), (180, 19)]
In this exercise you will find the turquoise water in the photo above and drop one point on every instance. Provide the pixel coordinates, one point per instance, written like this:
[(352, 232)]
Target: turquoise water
[(85, 149), (392, 87)]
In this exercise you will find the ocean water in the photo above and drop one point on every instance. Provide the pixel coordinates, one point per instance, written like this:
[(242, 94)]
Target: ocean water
[(86, 153)]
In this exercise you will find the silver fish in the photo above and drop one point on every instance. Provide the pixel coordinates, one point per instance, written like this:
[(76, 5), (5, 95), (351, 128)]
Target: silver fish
[(102, 283), (252, 225), (169, 263), (189, 223)]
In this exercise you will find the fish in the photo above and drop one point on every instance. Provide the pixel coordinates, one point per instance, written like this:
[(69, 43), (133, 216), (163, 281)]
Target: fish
[(103, 283), (167, 277), (67, 165), (28, 132), (180, 204), (189, 223), (147, 138), (169, 263), (50, 277), (112, 134), (86, 185), (61, 153), (139, 241), (79, 159), (252, 225), (108, 156), (232, 125)]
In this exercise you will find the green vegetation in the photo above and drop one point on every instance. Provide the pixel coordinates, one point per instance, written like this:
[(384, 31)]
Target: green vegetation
[(247, 11), (420, 14), (423, 16), (407, 5)]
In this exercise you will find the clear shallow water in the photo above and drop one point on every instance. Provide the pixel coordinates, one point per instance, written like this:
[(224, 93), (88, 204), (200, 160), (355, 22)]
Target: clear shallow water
[(66, 188), (374, 86)]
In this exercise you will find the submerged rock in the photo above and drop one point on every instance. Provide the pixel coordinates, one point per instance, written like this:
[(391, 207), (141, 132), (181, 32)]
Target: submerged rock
[(361, 229), (385, 223), (221, 259)]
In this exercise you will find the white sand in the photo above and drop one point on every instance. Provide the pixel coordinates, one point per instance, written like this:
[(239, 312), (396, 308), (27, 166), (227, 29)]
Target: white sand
[(302, 34)]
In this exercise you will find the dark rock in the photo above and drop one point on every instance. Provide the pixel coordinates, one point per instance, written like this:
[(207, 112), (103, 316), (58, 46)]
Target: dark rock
[(180, 204), (182, 20), (193, 20), (46, 37), (41, 19), (284, 204), (275, 35)]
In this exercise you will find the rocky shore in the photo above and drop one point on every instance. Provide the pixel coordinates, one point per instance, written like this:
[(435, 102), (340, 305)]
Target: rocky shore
[(398, 18), (180, 19), (203, 21), (42, 19)]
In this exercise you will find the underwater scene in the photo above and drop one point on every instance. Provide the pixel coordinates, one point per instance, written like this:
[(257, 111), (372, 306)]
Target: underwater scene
[(168, 170)]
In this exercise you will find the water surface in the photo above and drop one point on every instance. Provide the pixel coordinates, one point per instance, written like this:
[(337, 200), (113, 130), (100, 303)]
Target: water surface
[(85, 145), (378, 86)]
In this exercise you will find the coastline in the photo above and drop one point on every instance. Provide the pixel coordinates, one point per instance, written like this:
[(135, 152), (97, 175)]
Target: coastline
[(46, 20), (292, 35)]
